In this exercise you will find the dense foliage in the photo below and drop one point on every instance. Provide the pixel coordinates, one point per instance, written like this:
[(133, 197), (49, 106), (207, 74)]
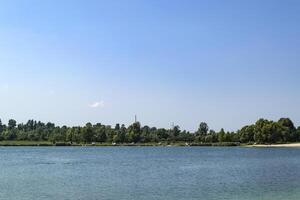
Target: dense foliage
[(263, 131)]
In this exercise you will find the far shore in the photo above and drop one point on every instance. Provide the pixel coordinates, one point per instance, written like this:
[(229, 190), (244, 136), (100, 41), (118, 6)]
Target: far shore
[(224, 144), (275, 145), (167, 144)]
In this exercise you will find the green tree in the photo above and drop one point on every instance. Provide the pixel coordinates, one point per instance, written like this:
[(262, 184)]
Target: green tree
[(12, 124), (174, 133), (260, 131), (87, 133), (70, 135), (162, 134), (145, 135), (203, 129), (247, 134), (122, 134), (221, 135), (286, 122), (1, 127), (289, 133), (78, 137), (100, 133), (209, 138), (134, 132)]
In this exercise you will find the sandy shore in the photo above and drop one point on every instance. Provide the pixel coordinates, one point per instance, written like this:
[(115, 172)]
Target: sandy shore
[(276, 145)]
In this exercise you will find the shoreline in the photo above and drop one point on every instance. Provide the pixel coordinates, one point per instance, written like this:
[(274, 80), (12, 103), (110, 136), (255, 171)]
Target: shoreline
[(290, 145), (66, 144), (161, 144)]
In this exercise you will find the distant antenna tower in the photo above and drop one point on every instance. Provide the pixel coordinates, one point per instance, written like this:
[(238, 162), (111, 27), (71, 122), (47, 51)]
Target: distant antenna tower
[(135, 119), (173, 125)]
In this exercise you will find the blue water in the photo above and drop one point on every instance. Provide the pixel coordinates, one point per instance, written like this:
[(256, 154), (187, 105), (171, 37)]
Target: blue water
[(144, 173)]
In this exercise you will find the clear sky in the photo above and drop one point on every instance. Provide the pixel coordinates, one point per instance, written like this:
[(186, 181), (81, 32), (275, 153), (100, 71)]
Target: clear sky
[(227, 63)]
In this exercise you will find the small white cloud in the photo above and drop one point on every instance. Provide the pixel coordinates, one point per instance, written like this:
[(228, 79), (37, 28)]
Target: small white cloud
[(97, 104)]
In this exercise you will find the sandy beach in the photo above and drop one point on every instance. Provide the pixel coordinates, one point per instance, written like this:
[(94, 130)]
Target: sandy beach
[(276, 145)]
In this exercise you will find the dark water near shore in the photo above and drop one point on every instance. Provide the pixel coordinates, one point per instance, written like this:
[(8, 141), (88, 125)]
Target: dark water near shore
[(144, 173)]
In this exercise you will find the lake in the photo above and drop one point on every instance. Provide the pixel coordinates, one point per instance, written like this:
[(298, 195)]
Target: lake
[(149, 173)]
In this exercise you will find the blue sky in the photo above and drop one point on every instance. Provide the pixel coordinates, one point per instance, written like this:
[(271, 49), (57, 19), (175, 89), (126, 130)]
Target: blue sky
[(224, 62)]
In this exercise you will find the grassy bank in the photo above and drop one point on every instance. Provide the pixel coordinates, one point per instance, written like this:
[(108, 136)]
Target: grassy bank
[(25, 143)]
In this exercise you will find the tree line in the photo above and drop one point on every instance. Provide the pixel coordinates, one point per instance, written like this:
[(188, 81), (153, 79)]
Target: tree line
[(262, 132)]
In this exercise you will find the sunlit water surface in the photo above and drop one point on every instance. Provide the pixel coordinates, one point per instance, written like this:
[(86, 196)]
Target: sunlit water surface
[(149, 173)]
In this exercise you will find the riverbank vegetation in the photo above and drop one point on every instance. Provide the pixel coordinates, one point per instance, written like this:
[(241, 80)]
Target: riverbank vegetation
[(36, 133)]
